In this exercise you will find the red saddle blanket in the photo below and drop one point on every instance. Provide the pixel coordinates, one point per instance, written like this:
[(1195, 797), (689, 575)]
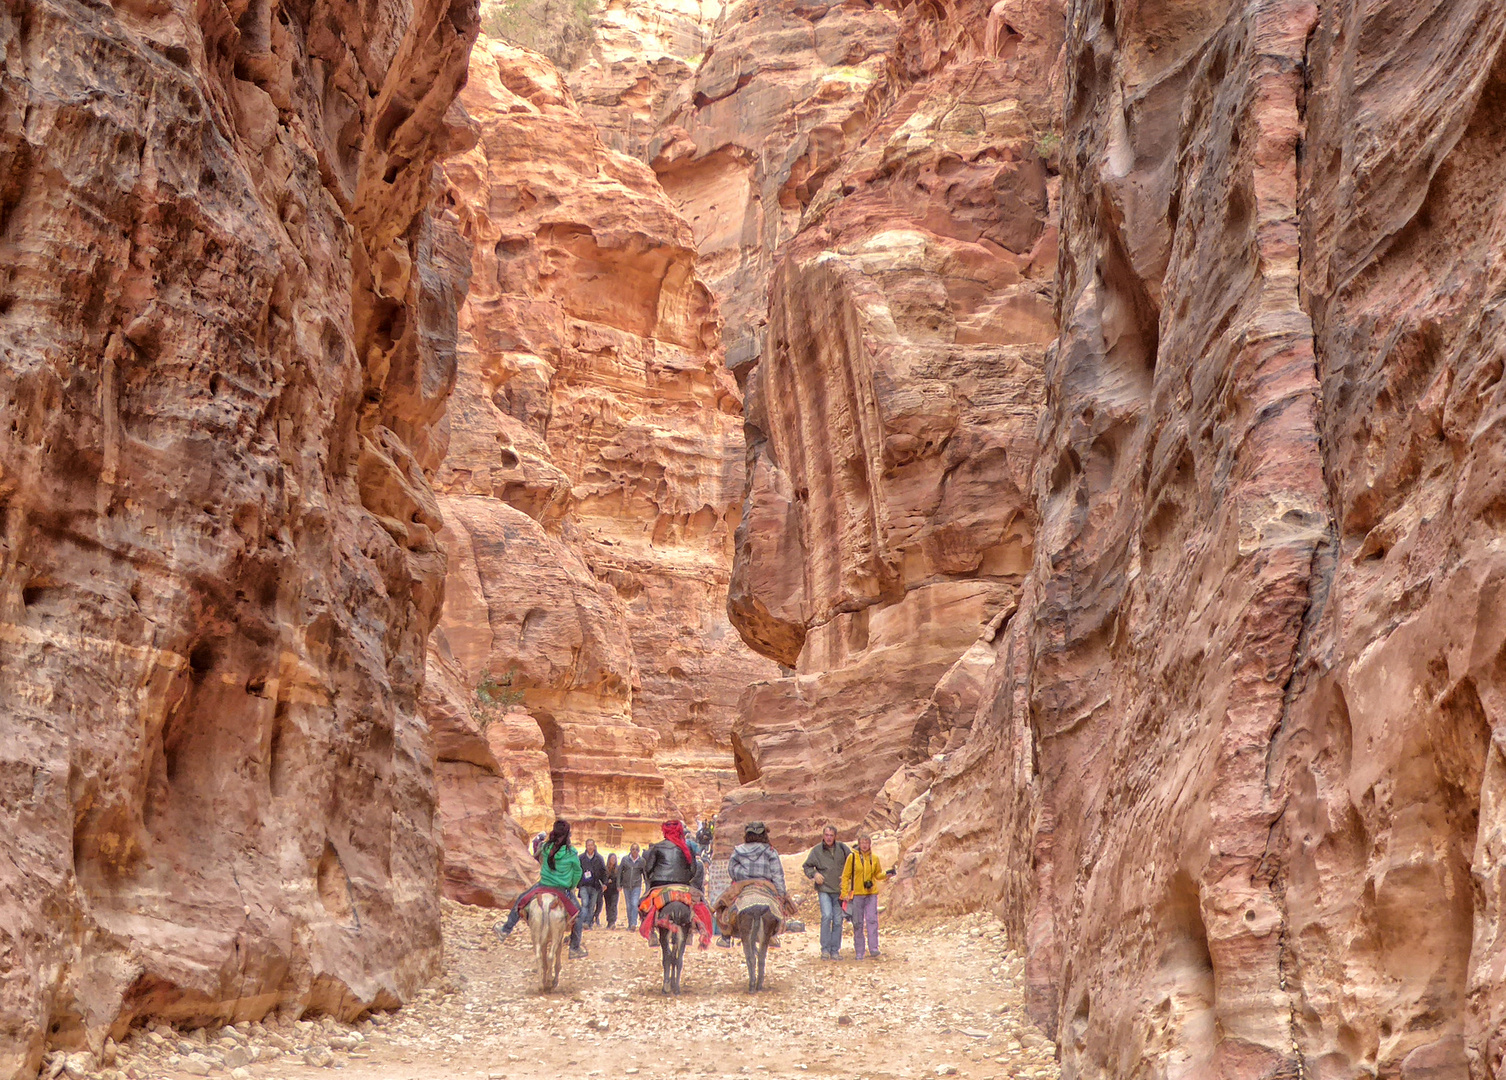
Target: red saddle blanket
[(651, 904), (571, 907)]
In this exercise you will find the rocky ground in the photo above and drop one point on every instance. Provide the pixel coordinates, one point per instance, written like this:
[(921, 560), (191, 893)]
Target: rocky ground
[(944, 1000)]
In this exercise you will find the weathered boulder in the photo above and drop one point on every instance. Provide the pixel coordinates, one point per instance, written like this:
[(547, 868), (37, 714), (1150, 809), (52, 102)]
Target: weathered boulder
[(891, 419), (593, 471), (227, 318)]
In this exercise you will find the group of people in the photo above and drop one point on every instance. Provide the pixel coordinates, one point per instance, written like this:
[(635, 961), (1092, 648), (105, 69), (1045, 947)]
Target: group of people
[(846, 881), (847, 884), (593, 886)]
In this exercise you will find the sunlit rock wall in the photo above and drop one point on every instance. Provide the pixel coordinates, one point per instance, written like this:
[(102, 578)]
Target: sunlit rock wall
[(595, 466), (778, 98), (227, 319), (641, 54), (892, 420)]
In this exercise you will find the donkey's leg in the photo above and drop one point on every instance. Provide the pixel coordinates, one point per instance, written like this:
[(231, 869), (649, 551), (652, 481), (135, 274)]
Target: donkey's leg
[(750, 951)]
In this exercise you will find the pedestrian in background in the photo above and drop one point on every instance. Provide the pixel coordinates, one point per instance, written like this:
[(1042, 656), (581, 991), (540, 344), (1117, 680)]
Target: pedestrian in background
[(593, 873), (824, 866), (609, 892), (860, 883), (630, 881)]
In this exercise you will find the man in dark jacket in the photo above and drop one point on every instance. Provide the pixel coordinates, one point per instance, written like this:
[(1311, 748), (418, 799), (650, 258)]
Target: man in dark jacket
[(824, 867), (593, 878), (630, 881)]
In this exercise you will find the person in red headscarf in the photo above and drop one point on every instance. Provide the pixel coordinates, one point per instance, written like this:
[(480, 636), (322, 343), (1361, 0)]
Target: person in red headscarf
[(671, 863)]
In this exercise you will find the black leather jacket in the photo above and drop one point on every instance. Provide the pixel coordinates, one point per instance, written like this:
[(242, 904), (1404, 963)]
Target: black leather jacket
[(666, 864)]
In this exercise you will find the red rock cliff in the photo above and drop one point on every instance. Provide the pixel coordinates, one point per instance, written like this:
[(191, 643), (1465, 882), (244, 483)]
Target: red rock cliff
[(776, 100), (891, 422), (595, 466), (1238, 749), (227, 320)]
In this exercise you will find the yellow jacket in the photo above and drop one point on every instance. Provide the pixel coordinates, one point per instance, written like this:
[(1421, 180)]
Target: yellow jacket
[(861, 868)]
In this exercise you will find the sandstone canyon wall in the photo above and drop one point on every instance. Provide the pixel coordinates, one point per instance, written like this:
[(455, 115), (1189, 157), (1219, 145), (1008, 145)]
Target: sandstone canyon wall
[(891, 421), (590, 492), (1235, 775), (227, 321), (641, 54), (778, 97)]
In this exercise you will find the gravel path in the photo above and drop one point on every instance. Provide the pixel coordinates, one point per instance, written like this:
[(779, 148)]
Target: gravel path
[(943, 1000)]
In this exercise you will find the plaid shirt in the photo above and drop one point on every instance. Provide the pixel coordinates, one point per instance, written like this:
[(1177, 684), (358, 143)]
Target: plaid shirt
[(756, 861)]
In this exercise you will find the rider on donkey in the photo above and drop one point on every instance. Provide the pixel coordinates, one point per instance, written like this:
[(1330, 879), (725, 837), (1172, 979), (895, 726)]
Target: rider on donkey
[(559, 873), (753, 860), (670, 867)]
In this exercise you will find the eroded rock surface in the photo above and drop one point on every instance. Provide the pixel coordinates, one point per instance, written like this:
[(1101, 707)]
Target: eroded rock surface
[(780, 95), (892, 423), (227, 321), (595, 463), (1242, 728), (641, 54)]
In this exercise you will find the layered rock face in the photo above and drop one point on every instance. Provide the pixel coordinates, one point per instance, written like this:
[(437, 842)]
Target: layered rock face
[(595, 463), (1237, 747), (228, 321), (641, 54), (891, 424), (780, 95)]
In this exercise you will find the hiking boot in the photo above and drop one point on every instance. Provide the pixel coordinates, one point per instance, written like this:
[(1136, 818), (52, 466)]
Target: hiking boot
[(578, 954), (723, 942)]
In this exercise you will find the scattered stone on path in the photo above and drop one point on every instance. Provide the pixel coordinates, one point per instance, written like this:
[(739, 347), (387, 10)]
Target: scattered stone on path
[(486, 1018)]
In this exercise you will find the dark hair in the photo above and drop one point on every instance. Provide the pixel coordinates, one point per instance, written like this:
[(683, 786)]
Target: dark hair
[(759, 837), (559, 837)]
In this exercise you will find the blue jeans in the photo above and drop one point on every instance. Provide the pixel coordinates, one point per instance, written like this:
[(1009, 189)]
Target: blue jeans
[(831, 922), (590, 904), (633, 894)]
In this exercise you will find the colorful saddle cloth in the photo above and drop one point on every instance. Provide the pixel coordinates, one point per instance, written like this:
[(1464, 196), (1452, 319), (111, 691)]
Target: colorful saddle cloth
[(751, 893), (571, 907), (653, 902)]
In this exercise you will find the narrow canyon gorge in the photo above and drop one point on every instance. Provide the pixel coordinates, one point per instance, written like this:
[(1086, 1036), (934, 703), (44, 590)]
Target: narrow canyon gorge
[(1060, 437)]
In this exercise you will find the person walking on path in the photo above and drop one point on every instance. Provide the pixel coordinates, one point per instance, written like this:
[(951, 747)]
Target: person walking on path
[(860, 881), (593, 875), (609, 892), (630, 881), (559, 869), (824, 866)]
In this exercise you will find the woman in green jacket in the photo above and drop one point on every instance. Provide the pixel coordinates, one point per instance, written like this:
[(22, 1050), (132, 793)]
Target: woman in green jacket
[(559, 868)]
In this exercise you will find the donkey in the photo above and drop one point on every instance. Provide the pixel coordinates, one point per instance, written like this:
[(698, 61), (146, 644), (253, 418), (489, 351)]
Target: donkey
[(755, 926), (674, 926), (549, 923)]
